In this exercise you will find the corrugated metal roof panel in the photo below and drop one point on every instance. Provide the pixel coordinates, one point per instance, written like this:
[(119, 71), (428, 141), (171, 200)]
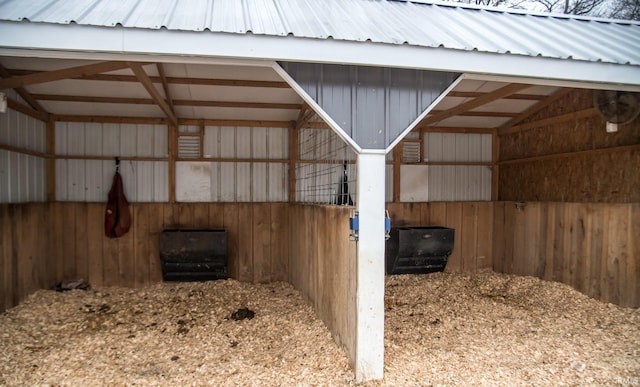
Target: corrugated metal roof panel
[(384, 21)]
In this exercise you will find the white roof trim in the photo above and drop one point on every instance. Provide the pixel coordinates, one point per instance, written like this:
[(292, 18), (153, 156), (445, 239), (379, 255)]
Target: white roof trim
[(177, 46)]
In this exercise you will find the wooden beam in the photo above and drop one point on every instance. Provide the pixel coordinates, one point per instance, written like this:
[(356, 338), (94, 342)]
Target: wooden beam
[(475, 94), (397, 161), (88, 99), (243, 123), (474, 103), (25, 151), (549, 121), (589, 152), (56, 75), (482, 114), (165, 85), (109, 119), (306, 113), (22, 92), (153, 92), (316, 125), (110, 158), (228, 82), (17, 106), (495, 167), (232, 104), (171, 80), (535, 108), (293, 159), (451, 129), (178, 102), (172, 135), (51, 162)]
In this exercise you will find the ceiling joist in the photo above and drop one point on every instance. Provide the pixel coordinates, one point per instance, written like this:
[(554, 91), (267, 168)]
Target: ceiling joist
[(170, 80), (26, 95), (155, 94), (56, 75), (475, 103), (165, 85), (177, 102), (534, 109)]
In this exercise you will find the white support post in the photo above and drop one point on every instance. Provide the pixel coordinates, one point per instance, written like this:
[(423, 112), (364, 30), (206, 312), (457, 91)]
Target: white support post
[(369, 361)]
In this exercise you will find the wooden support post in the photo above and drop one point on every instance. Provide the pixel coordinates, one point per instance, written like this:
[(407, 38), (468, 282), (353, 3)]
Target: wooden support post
[(51, 160), (173, 157), (495, 167), (293, 158), (397, 161), (369, 359)]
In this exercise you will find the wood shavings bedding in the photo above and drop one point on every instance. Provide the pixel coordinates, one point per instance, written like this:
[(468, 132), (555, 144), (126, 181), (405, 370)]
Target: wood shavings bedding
[(441, 329)]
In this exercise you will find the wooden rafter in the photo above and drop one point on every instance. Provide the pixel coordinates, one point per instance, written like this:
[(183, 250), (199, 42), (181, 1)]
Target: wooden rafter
[(56, 75), (165, 85), (476, 94), (474, 103), (534, 109), (306, 113), (22, 92), (252, 105), (171, 80), (151, 89), (482, 114), (22, 108), (178, 102)]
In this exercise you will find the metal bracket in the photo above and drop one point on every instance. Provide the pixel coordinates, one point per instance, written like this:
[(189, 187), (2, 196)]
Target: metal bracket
[(354, 226)]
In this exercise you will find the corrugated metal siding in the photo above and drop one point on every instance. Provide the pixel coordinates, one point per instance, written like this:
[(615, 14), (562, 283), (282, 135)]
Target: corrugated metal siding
[(458, 182), (372, 105), (22, 176), (457, 147), (234, 180), (90, 180), (198, 181), (123, 140), (391, 22)]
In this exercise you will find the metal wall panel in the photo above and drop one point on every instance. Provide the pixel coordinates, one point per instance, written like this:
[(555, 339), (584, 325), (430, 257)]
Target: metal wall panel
[(22, 176), (372, 105), (459, 183), (457, 147), (90, 180), (123, 140), (198, 181)]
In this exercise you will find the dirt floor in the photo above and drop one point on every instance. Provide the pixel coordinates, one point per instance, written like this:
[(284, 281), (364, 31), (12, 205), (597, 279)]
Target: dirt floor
[(441, 329)]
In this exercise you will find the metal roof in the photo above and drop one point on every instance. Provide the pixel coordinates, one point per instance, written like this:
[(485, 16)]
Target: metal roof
[(389, 22)]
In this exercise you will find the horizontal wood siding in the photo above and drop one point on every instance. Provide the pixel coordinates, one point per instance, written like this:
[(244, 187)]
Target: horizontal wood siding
[(472, 222), (44, 243), (594, 247), (322, 266)]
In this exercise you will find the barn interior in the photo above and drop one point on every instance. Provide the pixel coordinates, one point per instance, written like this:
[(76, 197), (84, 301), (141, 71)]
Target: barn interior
[(531, 177)]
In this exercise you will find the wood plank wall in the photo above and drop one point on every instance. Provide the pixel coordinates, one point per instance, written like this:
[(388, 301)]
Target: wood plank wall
[(594, 247), (473, 224), (322, 265), (26, 264), (42, 244)]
